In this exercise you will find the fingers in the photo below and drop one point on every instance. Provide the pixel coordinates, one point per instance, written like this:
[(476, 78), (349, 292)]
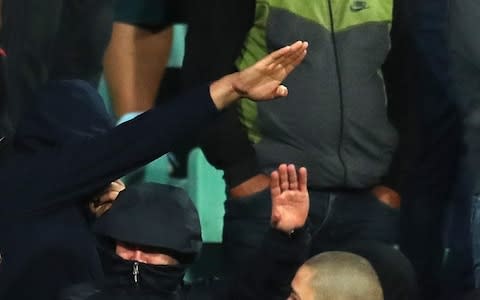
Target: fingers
[(117, 186), (279, 57), (302, 179), (276, 55), (275, 185), (119, 182), (111, 192), (292, 177), (287, 177), (283, 172), (294, 61), (294, 57)]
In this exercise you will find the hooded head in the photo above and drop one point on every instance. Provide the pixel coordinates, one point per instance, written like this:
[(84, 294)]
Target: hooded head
[(62, 111), (151, 216)]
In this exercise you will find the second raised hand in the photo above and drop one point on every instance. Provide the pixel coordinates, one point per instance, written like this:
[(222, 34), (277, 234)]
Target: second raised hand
[(290, 199)]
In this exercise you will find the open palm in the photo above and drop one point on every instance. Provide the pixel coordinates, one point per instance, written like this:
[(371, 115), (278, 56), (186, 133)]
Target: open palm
[(290, 199), (263, 80)]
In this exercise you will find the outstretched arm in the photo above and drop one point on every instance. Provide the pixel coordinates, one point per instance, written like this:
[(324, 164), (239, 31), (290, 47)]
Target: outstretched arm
[(92, 164), (261, 81)]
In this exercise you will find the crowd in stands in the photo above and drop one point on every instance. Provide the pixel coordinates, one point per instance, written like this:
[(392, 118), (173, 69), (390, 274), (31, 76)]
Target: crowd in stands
[(375, 99)]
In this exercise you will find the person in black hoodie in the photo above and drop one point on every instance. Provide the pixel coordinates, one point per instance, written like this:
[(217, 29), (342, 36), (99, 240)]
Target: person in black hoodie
[(66, 152), (152, 234)]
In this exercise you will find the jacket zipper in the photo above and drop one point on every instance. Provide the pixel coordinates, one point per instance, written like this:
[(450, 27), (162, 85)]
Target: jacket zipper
[(340, 91), (135, 273)]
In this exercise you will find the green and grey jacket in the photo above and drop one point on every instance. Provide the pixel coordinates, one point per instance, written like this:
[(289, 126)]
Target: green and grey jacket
[(334, 120)]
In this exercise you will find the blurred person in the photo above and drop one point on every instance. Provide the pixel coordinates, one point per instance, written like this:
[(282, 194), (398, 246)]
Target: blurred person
[(336, 275), (66, 153), (1, 9), (6, 130), (464, 46), (136, 58), (52, 40), (136, 62), (429, 177), (152, 234)]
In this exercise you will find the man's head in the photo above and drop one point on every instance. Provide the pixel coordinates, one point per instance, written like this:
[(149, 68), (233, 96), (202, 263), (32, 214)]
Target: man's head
[(336, 276), (148, 238), (144, 254)]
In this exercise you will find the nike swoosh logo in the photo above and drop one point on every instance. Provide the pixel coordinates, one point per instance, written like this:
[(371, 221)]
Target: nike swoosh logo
[(359, 6)]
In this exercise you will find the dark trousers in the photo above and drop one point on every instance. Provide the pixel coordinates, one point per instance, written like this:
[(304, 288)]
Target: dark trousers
[(52, 39), (345, 221)]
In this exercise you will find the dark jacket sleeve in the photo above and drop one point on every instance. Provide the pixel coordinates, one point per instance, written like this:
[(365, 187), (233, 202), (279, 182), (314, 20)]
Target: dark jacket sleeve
[(269, 275), (225, 143), (85, 166)]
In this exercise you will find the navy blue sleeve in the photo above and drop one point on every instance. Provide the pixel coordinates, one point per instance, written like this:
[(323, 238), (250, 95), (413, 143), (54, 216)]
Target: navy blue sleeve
[(79, 169)]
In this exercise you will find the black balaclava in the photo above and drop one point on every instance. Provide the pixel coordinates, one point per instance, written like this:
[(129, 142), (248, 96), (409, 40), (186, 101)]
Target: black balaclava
[(131, 277)]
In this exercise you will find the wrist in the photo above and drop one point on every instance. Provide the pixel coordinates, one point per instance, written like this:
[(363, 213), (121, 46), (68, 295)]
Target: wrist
[(223, 91), (289, 230), (292, 233)]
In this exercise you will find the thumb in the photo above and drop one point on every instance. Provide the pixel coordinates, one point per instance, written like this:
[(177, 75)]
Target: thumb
[(281, 91), (275, 217)]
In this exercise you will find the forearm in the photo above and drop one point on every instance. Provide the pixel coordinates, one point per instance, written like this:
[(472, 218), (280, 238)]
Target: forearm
[(134, 64)]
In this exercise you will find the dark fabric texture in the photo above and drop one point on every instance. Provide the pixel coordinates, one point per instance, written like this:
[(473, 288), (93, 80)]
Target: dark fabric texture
[(6, 126), (156, 14), (52, 121), (61, 40), (275, 265), (226, 146), (465, 59), (225, 143), (47, 182), (429, 123), (153, 215), (464, 46)]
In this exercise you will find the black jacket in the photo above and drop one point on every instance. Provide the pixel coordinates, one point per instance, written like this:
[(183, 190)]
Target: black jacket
[(65, 152)]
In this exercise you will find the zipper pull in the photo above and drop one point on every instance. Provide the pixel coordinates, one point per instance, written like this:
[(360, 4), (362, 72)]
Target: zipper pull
[(135, 272)]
